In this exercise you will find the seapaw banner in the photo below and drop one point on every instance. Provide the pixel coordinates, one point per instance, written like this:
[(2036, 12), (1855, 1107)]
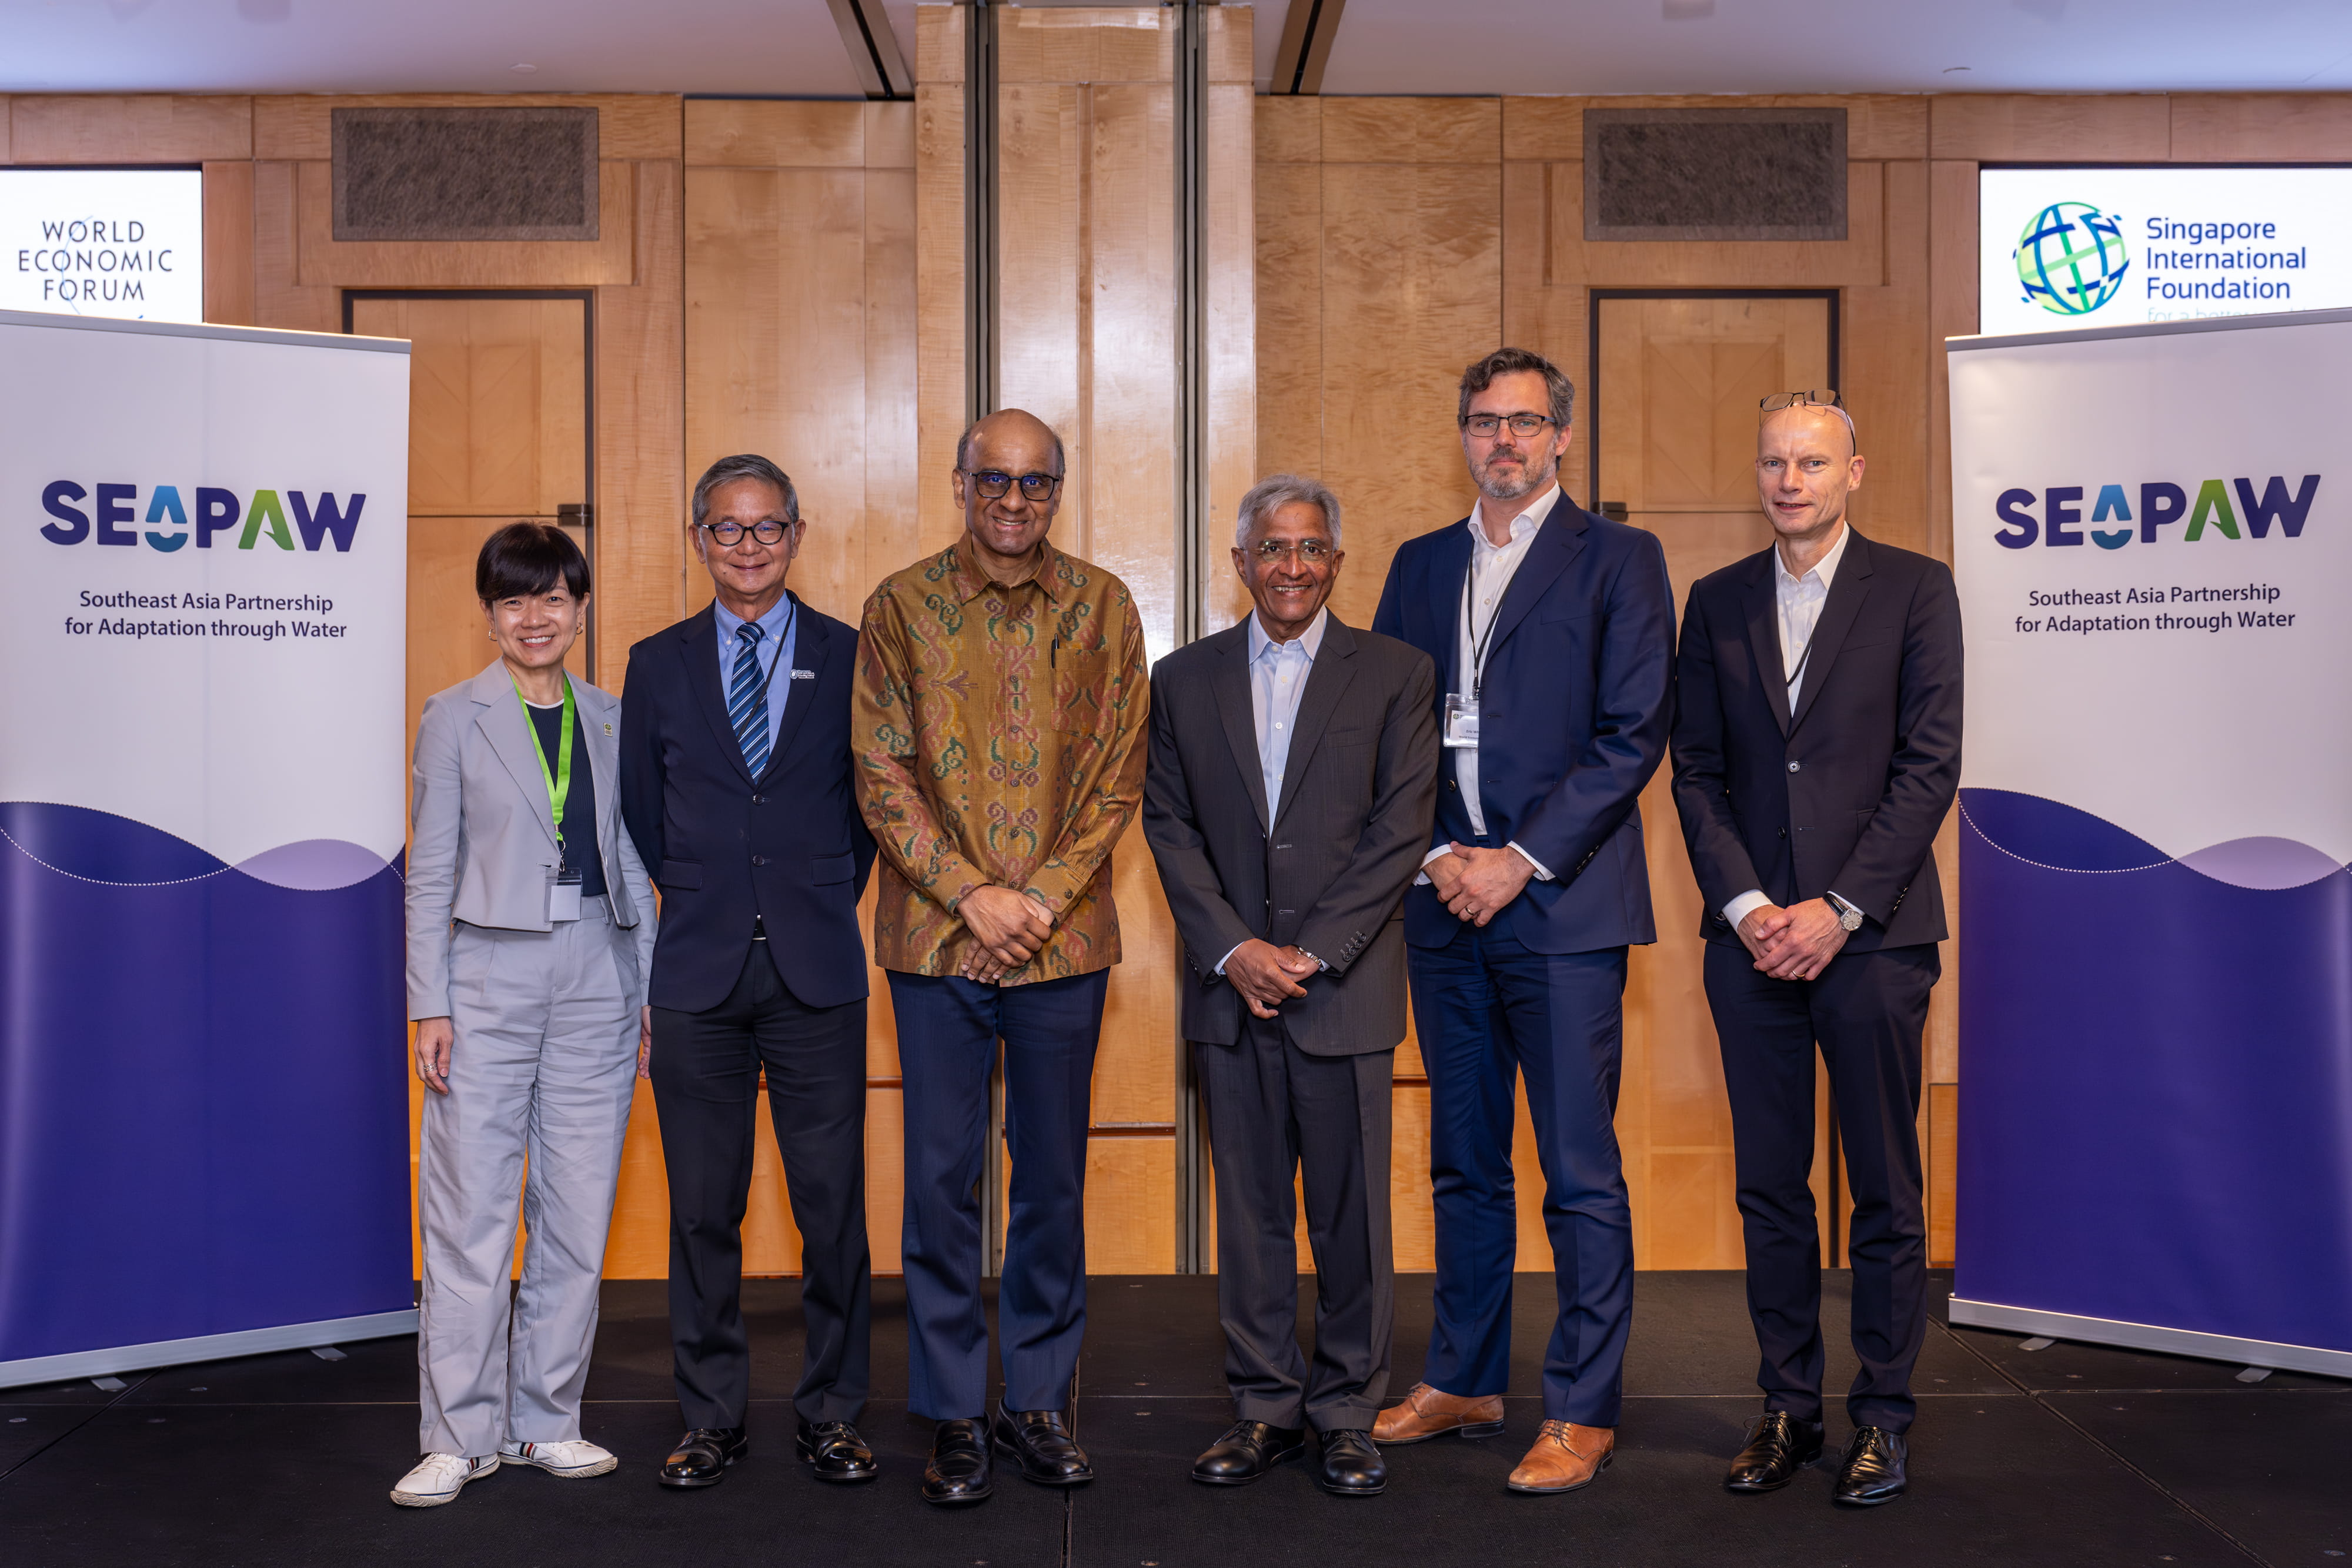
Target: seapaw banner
[(2152, 531), (203, 1096)]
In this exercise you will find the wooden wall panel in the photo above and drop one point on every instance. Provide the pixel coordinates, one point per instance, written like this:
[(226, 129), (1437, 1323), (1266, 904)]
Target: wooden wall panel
[(2260, 127), (129, 128), (2000, 128), (938, 265), (228, 244), (1231, 265)]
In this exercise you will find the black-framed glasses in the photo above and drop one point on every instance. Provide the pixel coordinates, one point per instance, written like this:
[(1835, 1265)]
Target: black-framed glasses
[(1309, 552), (994, 483), (767, 530), (1819, 397), (1522, 424)]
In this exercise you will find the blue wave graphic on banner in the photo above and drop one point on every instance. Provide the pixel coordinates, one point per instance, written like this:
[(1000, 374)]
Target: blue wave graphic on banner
[(2156, 1071), (234, 1047)]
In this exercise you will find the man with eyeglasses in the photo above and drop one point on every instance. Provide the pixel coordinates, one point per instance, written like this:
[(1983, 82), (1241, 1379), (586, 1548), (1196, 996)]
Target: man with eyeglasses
[(1817, 751), (1294, 767), (1000, 707), (1552, 628), (735, 786)]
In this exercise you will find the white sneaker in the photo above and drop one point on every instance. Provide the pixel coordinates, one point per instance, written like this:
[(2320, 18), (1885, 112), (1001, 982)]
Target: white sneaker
[(438, 1479), (570, 1460)]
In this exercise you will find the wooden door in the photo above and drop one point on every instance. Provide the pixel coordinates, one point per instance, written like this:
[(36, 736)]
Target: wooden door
[(1676, 406), (498, 433)]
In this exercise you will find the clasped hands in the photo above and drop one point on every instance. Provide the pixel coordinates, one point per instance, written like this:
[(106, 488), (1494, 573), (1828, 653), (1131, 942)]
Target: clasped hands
[(1010, 927), (1792, 944), (1267, 976), (1476, 885)]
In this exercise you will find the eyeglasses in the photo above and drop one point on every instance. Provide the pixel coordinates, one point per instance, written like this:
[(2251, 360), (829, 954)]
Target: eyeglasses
[(994, 482), (1522, 424), (1821, 397), (1310, 552), (767, 531)]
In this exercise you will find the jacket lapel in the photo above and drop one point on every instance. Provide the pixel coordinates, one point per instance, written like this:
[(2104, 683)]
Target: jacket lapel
[(1558, 542), (1450, 565), (596, 711), (811, 647), (1764, 637), (699, 648), (499, 714), (1327, 682), (1229, 685), (1848, 589)]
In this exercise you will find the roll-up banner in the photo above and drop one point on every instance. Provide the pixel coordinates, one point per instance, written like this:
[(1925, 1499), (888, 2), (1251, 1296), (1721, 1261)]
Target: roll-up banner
[(2152, 531), (203, 1099)]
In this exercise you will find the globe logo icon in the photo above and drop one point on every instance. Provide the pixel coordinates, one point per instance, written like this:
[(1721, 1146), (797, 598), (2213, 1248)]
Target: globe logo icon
[(2071, 258)]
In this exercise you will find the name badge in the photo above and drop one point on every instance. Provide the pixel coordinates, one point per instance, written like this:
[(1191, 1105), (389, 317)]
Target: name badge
[(563, 895), (1461, 720)]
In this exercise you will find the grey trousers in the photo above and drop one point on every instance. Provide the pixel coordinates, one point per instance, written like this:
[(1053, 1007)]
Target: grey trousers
[(1277, 1114), (543, 1065)]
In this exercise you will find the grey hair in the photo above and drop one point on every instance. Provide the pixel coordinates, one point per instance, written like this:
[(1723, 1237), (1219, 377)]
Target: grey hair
[(745, 466), (1271, 493), (964, 447), (1558, 389)]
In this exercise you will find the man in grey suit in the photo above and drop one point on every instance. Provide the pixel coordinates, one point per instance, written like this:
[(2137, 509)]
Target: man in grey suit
[(1293, 775)]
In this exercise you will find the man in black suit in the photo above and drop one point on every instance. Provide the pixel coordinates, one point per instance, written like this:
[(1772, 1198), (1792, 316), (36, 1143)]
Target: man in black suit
[(735, 784), (1816, 749), (1554, 628), (1292, 772)]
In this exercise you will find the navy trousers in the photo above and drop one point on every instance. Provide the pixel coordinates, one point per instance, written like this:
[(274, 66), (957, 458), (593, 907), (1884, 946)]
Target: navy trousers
[(948, 1033), (1489, 1011), (1868, 1011)]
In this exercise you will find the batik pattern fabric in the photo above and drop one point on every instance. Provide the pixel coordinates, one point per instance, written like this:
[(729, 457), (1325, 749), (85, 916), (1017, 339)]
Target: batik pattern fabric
[(997, 727)]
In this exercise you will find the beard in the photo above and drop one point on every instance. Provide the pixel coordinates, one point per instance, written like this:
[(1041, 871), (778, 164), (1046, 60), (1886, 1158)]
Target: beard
[(1504, 486)]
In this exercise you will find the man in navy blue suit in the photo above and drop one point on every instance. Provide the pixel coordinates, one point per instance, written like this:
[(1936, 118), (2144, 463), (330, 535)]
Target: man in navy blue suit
[(1553, 629), (735, 785)]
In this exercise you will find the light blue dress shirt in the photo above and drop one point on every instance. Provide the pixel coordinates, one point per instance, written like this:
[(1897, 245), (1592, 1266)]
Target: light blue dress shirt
[(782, 626), (1278, 672)]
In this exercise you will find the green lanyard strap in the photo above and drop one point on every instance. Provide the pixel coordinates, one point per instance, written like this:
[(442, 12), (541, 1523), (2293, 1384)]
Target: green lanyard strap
[(559, 781)]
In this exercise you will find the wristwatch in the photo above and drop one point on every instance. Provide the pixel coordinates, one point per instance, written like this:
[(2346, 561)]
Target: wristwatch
[(1848, 915)]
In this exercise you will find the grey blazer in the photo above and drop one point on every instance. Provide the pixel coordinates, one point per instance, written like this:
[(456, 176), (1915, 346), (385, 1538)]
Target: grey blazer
[(1327, 866), (482, 842)]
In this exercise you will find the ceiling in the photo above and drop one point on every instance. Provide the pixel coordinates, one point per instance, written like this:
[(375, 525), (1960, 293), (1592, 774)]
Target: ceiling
[(793, 48)]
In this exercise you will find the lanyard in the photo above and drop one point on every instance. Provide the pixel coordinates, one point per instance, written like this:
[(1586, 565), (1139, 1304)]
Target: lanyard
[(559, 781), (1478, 643)]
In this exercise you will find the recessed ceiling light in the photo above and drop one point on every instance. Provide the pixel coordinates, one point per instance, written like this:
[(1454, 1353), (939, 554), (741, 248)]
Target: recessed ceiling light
[(1947, 69), (527, 70)]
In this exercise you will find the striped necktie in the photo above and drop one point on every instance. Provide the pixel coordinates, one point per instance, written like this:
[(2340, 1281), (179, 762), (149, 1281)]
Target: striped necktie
[(747, 701)]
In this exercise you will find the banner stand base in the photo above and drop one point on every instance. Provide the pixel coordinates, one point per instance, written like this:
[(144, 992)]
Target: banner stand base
[(208, 1347), (2144, 1336)]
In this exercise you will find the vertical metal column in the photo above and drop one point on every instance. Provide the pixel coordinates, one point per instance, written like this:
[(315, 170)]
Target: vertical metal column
[(1191, 89), (980, 393)]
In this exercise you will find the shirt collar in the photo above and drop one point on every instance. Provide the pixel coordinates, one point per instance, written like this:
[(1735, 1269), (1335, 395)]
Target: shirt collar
[(970, 578), (1522, 526), (1825, 569), (1310, 640), (772, 624)]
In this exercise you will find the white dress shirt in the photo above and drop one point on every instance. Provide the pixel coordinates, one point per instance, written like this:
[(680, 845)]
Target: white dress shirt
[(1491, 566), (1798, 600), (1278, 672)]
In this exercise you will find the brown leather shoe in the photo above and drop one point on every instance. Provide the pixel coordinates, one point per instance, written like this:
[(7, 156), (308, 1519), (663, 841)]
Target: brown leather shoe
[(1564, 1458), (1429, 1413)]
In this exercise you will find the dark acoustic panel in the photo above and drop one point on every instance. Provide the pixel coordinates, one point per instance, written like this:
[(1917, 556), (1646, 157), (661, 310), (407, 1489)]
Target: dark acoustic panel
[(1714, 174), (465, 174)]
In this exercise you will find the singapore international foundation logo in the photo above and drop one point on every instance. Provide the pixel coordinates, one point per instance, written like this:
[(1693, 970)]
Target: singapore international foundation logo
[(2071, 258)]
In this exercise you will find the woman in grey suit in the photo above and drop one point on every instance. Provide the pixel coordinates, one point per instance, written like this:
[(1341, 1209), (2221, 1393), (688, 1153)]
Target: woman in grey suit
[(530, 933)]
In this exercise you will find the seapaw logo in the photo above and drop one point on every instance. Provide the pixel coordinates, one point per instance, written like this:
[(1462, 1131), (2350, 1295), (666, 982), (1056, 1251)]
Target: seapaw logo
[(2161, 505), (113, 517), (2071, 258)]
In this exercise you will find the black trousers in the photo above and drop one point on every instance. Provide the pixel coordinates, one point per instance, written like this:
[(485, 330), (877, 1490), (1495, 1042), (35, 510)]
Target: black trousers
[(705, 1073), (1274, 1113), (1867, 1012)]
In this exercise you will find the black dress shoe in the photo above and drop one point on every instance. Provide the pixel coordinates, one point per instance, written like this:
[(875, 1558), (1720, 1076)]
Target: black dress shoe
[(1247, 1452), (836, 1451), (960, 1470), (1040, 1442), (702, 1456), (1872, 1470), (1779, 1446), (1351, 1466)]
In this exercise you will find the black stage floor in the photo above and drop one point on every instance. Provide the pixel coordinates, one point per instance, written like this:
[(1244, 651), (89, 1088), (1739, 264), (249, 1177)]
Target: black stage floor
[(2071, 1455)]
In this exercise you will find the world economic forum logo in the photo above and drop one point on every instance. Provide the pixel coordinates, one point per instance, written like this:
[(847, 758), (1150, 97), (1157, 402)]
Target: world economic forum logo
[(2071, 258)]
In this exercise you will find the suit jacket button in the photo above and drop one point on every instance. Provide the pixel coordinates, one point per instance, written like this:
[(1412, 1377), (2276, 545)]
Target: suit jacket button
[(759, 799), (759, 860), (1794, 766), (1784, 832)]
